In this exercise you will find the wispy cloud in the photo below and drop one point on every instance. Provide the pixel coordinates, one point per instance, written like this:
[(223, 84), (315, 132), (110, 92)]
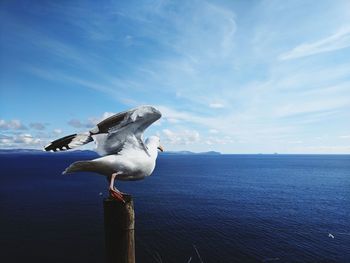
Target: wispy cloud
[(79, 124), (183, 137), (37, 126), (209, 68), (211, 140), (216, 105), (90, 122), (22, 140), (57, 132), (12, 125), (338, 40)]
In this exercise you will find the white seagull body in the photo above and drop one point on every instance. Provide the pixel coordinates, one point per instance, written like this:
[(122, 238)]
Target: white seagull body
[(125, 156)]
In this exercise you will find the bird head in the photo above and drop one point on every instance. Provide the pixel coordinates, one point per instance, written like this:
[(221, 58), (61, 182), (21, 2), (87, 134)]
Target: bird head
[(154, 142)]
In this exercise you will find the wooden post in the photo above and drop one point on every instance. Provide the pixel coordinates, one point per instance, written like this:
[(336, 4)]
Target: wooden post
[(119, 220)]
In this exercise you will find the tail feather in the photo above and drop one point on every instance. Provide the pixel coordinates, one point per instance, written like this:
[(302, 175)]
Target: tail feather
[(69, 142), (89, 166), (80, 166)]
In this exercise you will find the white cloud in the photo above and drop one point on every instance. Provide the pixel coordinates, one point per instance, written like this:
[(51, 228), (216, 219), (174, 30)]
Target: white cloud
[(216, 105), (27, 139), (174, 116), (323, 107), (208, 32), (95, 120), (57, 131), (219, 140), (324, 149), (110, 85), (37, 126), (23, 140), (188, 137), (338, 40), (240, 126), (5, 139), (295, 142), (199, 64), (12, 125), (345, 136), (92, 121), (79, 124), (183, 137)]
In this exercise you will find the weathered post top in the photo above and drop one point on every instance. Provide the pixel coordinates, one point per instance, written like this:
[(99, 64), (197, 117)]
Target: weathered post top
[(119, 221)]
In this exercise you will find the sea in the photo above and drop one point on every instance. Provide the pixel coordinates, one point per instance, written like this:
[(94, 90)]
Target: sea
[(193, 208)]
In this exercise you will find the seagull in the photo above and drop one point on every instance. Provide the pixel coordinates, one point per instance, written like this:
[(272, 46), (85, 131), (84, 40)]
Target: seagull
[(119, 140)]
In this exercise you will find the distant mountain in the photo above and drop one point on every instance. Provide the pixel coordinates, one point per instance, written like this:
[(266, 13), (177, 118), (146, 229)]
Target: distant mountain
[(88, 152), (36, 151), (211, 153), (24, 151)]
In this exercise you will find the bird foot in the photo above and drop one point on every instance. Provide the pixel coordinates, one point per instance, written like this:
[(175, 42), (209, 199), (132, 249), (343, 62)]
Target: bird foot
[(117, 195)]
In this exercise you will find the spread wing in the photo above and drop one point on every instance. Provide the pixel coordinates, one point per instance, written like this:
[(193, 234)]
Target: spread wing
[(126, 128), (114, 133)]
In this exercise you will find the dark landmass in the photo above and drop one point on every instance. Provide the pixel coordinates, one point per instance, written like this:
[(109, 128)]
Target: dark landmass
[(24, 151), (35, 151)]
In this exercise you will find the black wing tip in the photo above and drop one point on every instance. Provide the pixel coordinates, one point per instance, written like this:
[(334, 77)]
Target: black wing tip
[(60, 144), (51, 148)]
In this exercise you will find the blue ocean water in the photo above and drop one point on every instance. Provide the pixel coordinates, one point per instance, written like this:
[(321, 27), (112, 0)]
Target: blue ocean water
[(232, 208)]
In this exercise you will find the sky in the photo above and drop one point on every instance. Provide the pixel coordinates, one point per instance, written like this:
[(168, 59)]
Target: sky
[(230, 76)]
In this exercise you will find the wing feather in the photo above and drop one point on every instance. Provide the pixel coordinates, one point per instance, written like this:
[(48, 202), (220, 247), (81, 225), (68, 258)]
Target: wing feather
[(124, 128)]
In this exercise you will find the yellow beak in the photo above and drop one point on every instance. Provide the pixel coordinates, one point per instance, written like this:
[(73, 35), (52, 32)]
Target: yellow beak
[(161, 148)]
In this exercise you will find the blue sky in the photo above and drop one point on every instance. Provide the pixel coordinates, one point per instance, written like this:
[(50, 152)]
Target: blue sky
[(232, 76)]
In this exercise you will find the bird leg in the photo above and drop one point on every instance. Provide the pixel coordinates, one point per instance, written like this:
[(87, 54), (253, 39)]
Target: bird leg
[(119, 191), (114, 192)]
